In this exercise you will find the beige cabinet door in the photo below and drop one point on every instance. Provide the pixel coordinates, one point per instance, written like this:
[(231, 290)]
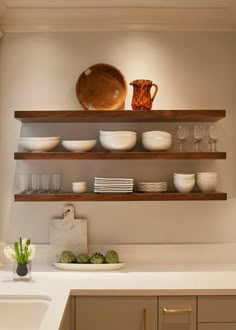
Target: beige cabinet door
[(216, 326), (116, 313), (177, 313)]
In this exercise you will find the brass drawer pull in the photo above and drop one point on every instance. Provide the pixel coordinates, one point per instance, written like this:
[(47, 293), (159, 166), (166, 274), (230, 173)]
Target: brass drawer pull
[(144, 319), (178, 311)]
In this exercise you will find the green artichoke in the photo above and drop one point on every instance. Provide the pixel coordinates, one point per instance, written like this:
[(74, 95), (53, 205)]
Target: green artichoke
[(83, 258), (67, 257), (97, 258), (112, 257)]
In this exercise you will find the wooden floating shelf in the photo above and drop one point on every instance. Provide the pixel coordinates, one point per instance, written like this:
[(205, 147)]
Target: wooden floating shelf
[(117, 155), (116, 197), (71, 116)]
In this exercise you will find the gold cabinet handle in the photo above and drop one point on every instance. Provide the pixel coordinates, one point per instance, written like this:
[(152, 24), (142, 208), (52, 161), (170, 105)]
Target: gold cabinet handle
[(178, 311), (144, 319)]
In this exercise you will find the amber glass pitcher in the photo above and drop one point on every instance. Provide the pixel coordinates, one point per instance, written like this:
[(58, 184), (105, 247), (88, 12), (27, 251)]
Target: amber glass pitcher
[(142, 99)]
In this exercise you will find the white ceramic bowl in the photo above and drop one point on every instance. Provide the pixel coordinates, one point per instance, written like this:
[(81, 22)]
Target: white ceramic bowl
[(205, 186), (109, 133), (39, 144), (80, 145), (156, 134), (184, 187), (119, 142), (207, 174), (184, 175), (79, 187), (156, 144)]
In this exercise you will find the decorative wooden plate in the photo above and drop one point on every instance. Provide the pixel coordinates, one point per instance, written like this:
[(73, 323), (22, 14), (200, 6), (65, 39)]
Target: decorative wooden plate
[(101, 87)]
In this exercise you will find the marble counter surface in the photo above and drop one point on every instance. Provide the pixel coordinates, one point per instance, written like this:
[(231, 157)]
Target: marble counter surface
[(134, 279)]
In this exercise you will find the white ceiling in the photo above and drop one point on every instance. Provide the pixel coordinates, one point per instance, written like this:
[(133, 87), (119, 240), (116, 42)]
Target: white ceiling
[(116, 3), (117, 15)]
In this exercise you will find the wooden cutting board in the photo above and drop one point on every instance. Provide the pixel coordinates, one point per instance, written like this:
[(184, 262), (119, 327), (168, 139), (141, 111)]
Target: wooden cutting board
[(67, 233)]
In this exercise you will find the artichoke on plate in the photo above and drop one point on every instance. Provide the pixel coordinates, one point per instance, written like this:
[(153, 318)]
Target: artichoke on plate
[(112, 257), (67, 257), (97, 258), (83, 258)]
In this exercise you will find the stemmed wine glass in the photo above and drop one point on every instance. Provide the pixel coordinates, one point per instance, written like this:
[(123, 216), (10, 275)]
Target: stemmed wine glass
[(182, 133), (198, 135), (213, 137)]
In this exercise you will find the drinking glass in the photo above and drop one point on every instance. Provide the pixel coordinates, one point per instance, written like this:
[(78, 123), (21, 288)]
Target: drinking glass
[(198, 135), (45, 182), (56, 182), (213, 137), (36, 183), (24, 183), (182, 133)]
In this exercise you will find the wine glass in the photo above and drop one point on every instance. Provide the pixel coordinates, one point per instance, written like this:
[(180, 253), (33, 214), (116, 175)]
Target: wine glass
[(213, 137), (181, 136), (198, 135)]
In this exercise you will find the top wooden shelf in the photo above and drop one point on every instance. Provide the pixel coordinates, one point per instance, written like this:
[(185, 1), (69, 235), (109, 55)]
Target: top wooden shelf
[(70, 116)]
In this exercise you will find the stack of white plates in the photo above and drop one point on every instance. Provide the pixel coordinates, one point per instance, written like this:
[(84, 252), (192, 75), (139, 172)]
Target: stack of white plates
[(113, 185), (152, 186)]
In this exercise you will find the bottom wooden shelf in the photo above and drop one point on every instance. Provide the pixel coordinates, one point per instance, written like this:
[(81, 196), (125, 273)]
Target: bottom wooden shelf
[(113, 197)]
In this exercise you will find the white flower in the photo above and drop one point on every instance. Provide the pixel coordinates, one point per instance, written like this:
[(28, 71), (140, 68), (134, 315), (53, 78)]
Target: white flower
[(10, 254), (31, 251)]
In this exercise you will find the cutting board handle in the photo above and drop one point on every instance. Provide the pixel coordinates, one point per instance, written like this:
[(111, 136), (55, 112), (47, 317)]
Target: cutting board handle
[(69, 213)]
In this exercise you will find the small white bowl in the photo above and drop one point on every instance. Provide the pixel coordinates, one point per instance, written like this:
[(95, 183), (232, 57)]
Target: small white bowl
[(184, 187), (120, 142), (79, 145), (156, 144), (79, 187), (156, 134), (39, 144)]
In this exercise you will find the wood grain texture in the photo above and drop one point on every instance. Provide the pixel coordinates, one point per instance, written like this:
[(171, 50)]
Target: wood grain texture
[(71, 116), (101, 86), (118, 155), (113, 197)]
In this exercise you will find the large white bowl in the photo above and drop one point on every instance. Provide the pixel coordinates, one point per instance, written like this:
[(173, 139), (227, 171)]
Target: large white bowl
[(79, 146), (39, 144), (120, 142), (156, 134), (184, 187), (156, 144)]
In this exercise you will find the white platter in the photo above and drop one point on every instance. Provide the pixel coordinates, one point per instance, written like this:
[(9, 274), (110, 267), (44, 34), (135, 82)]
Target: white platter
[(89, 267)]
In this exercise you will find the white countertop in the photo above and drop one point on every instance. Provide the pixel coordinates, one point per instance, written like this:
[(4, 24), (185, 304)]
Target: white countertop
[(155, 280)]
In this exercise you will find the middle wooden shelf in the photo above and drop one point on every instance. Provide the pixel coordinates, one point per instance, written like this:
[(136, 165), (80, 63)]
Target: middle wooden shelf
[(117, 155)]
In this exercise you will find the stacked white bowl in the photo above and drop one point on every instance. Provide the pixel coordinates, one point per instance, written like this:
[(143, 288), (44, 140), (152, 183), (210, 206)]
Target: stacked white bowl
[(118, 140), (184, 183), (207, 181), (156, 140)]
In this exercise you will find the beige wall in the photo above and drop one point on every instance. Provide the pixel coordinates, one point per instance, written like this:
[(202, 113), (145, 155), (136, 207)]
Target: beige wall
[(193, 71)]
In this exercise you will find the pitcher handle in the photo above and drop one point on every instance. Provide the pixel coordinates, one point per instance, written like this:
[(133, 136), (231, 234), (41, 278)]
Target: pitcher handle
[(155, 93)]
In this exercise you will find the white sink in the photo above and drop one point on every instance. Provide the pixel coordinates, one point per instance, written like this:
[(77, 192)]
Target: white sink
[(19, 312)]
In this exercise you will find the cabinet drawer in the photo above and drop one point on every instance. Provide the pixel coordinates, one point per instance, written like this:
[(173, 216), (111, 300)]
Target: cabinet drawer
[(177, 313), (116, 313), (216, 326), (217, 309)]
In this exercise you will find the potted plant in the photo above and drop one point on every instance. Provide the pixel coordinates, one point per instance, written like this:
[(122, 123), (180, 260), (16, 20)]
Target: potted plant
[(21, 256)]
